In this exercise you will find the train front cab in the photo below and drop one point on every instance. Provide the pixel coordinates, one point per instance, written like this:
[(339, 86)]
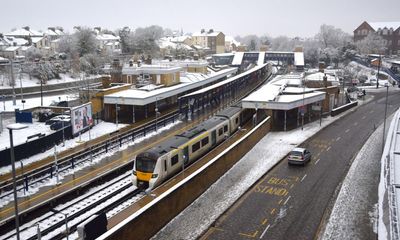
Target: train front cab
[(143, 172)]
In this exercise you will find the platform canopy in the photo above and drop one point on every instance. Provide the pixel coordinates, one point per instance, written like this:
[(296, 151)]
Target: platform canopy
[(282, 94)]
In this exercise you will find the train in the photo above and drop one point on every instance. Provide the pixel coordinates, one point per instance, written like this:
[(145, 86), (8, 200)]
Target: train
[(159, 163)]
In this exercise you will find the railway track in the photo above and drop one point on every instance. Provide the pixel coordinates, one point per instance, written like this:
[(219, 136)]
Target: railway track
[(51, 225), (41, 175)]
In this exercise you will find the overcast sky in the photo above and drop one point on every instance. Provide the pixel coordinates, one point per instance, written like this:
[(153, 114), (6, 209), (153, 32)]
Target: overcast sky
[(233, 17)]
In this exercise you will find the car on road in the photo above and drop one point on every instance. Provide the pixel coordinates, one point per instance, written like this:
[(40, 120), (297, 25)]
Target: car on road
[(299, 156)]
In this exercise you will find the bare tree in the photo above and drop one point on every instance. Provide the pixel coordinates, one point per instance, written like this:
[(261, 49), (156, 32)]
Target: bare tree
[(372, 43)]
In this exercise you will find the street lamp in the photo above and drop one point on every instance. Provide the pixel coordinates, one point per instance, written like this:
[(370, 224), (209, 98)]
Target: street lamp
[(377, 76), (11, 127), (384, 119), (156, 110)]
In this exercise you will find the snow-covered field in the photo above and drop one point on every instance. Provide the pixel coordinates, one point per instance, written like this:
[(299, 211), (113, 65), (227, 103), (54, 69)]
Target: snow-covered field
[(26, 82)]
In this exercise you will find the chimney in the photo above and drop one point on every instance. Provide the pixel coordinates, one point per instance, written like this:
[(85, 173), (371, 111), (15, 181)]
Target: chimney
[(321, 66), (98, 29), (211, 30), (1, 36), (325, 81), (202, 30), (52, 29), (26, 28)]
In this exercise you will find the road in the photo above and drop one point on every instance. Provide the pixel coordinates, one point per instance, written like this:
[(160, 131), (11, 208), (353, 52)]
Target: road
[(291, 202)]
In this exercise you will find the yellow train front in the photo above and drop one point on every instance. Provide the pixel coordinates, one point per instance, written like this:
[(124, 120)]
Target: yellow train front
[(157, 164)]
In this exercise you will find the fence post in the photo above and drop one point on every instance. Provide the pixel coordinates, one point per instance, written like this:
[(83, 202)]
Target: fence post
[(120, 142), (72, 163), (144, 132), (26, 183), (106, 146), (51, 171)]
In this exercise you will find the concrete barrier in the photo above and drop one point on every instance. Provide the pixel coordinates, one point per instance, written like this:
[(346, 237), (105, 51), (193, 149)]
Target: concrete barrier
[(149, 219), (343, 108)]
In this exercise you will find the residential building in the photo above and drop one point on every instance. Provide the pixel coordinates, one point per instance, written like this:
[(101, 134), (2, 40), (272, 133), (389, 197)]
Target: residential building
[(389, 31), (231, 44), (214, 40)]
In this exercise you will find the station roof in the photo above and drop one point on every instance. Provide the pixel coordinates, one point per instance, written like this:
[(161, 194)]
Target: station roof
[(226, 81), (190, 81), (277, 95)]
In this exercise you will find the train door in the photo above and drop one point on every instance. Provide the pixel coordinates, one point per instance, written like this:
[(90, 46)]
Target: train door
[(213, 137), (186, 155)]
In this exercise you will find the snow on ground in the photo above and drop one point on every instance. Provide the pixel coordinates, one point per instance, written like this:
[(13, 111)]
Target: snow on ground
[(34, 102), (263, 156), (26, 82), (353, 204), (98, 130), (371, 73)]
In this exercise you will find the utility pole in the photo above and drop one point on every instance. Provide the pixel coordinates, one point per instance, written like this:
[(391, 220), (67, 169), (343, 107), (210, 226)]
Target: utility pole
[(12, 82), (379, 67)]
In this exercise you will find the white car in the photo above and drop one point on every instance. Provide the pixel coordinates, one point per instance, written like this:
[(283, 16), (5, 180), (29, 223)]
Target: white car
[(299, 156)]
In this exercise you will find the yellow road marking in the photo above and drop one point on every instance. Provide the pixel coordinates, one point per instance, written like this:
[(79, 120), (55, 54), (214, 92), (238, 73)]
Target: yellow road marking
[(280, 201), (211, 231), (273, 211), (249, 235), (264, 222)]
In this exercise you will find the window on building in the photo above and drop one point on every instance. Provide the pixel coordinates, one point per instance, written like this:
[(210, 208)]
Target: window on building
[(385, 32), (174, 160), (225, 128), (237, 120), (398, 42), (204, 141), (195, 147), (390, 42)]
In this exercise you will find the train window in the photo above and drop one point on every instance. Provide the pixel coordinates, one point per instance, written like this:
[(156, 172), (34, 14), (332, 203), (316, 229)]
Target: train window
[(195, 147), (204, 141), (225, 128), (220, 131), (165, 165), (237, 120), (174, 160)]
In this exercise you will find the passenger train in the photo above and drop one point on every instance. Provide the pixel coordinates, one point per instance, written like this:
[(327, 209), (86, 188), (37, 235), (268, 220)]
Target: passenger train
[(157, 164)]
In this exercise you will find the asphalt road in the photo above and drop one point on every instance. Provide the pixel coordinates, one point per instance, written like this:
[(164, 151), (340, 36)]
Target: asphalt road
[(291, 202)]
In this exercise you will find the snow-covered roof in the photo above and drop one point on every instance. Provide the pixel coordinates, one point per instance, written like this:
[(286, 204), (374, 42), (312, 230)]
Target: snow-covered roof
[(12, 48), (22, 32), (272, 95), (18, 41), (238, 58), (25, 48), (319, 76), (188, 82), (107, 37), (205, 34), (231, 40), (150, 69), (382, 25), (36, 39)]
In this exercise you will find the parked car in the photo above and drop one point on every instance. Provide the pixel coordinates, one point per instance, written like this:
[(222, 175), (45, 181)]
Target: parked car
[(60, 124), (58, 118), (299, 156)]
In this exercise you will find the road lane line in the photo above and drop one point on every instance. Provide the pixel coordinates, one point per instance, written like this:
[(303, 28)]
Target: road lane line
[(347, 130), (329, 148), (317, 161), (338, 138), (266, 229), (305, 175), (286, 200), (264, 222)]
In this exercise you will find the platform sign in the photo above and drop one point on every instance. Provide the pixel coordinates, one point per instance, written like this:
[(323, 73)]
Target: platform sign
[(81, 117)]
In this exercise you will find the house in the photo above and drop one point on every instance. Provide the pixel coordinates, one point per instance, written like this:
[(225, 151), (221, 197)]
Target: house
[(24, 32), (54, 33), (389, 31), (213, 40), (231, 44), (108, 43)]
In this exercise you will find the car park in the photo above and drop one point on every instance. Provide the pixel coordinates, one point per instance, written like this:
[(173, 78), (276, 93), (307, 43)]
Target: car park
[(299, 156)]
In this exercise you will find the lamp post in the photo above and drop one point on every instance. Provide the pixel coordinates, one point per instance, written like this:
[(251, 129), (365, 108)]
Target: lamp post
[(116, 114), (157, 112), (384, 119), (379, 67), (302, 107), (12, 81), (11, 127)]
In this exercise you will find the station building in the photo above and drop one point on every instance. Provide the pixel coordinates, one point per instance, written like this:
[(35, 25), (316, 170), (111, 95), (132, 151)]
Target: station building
[(156, 88)]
